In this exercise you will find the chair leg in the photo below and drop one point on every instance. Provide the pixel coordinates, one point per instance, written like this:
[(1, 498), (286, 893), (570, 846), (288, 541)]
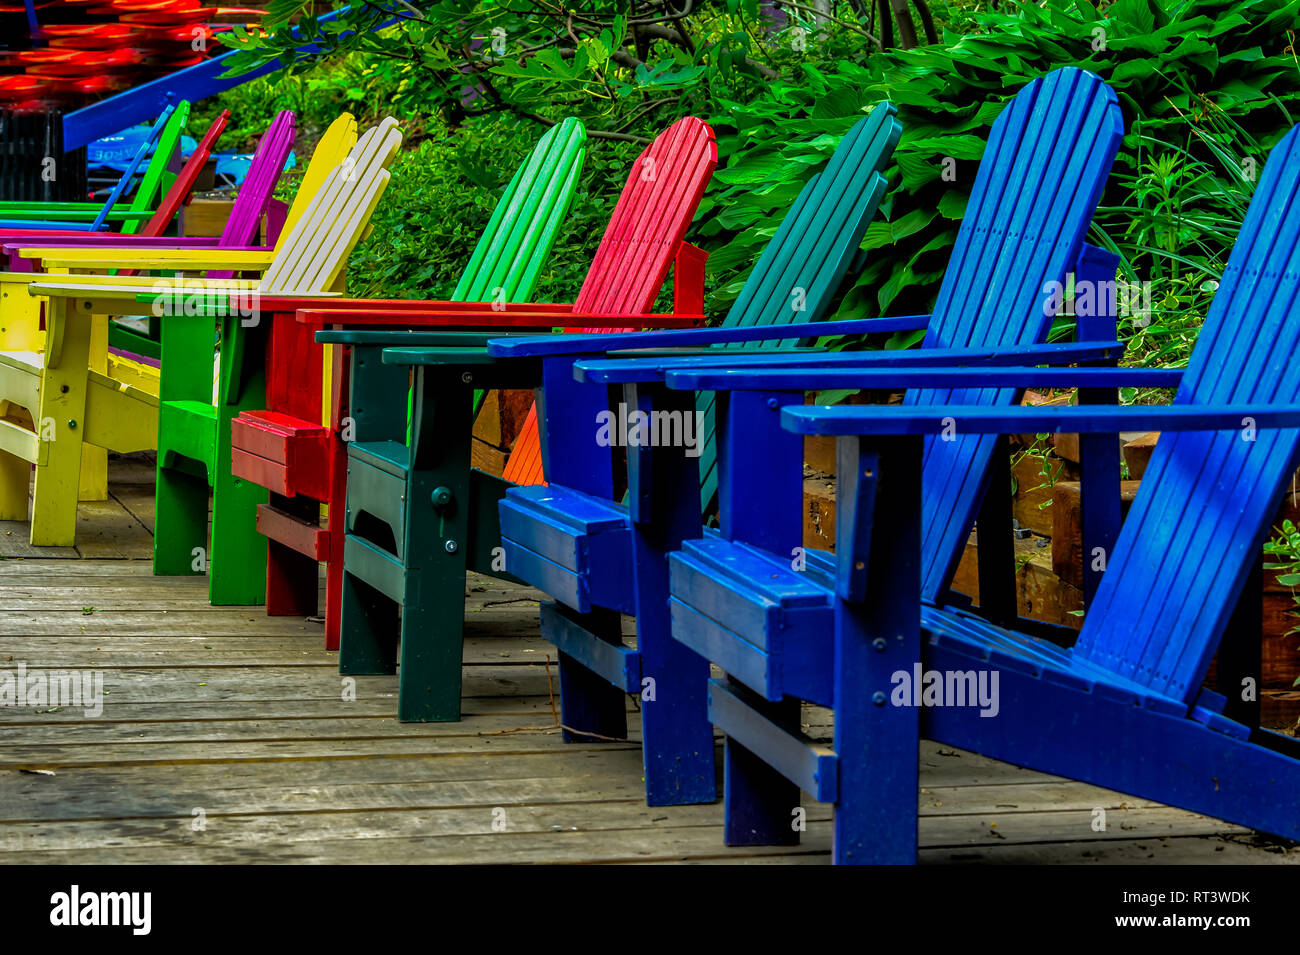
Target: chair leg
[(93, 483), (876, 735), (54, 496), (237, 561), (368, 624), (333, 597), (434, 548), (291, 582), (677, 737), (15, 486), (180, 522), (433, 633), (592, 709), (292, 579), (759, 803)]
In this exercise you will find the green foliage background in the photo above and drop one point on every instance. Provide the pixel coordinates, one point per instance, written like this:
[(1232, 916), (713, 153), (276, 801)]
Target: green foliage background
[(1206, 87)]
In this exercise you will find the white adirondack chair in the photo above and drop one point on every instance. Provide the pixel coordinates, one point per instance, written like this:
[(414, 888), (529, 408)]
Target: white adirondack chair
[(52, 403)]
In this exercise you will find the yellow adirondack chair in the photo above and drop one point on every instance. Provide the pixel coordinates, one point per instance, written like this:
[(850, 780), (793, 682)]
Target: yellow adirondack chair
[(53, 403), (20, 312)]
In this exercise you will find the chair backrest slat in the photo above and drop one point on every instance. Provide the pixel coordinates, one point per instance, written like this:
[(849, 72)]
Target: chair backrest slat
[(313, 253), (259, 184), (180, 189), (519, 236), (1204, 508), (642, 238), (803, 265), (1038, 184), (650, 220), (156, 173), (122, 185), (330, 150)]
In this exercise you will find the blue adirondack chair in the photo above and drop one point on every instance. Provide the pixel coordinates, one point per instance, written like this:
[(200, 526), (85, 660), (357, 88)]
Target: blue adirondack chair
[(1124, 708), (545, 527), (597, 558)]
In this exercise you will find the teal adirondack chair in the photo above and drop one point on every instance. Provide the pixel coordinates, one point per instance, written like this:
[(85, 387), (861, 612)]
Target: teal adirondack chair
[(294, 447)]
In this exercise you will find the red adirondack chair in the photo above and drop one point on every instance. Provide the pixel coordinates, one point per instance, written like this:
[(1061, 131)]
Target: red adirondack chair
[(290, 450)]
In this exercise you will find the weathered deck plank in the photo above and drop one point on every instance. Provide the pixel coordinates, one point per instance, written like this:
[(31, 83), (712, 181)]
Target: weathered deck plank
[(243, 718)]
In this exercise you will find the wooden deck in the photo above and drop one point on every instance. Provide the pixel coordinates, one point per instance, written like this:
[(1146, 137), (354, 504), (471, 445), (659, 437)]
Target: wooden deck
[(225, 737)]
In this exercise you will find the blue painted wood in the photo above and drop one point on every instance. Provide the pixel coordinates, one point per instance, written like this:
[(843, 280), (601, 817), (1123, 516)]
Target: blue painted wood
[(877, 635), (1099, 455), (813, 768), (677, 738), (1230, 445), (522, 346), (1064, 419), (617, 664), (145, 100), (1041, 177), (784, 379), (619, 370), (574, 546)]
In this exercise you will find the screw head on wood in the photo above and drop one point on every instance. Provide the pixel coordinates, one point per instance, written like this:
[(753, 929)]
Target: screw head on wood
[(878, 698), (72, 423), (450, 547), (466, 377)]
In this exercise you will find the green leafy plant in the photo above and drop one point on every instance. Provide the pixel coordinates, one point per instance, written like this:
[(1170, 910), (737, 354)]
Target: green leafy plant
[(1285, 545)]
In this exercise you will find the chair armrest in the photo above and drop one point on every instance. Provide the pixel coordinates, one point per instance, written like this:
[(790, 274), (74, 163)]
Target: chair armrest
[(403, 337), (617, 370), (520, 317), (544, 346), (187, 260), (821, 379), (1036, 419), (310, 309)]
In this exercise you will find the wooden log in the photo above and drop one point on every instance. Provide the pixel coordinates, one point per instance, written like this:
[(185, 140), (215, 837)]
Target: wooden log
[(1066, 530), (1032, 502), (205, 216), (1137, 454), (819, 513), (1040, 594), (819, 453)]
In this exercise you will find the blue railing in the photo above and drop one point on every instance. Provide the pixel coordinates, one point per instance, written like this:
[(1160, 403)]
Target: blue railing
[(144, 102)]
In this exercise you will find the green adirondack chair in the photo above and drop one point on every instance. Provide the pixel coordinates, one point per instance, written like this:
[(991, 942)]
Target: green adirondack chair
[(128, 219), (294, 447), (189, 427)]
